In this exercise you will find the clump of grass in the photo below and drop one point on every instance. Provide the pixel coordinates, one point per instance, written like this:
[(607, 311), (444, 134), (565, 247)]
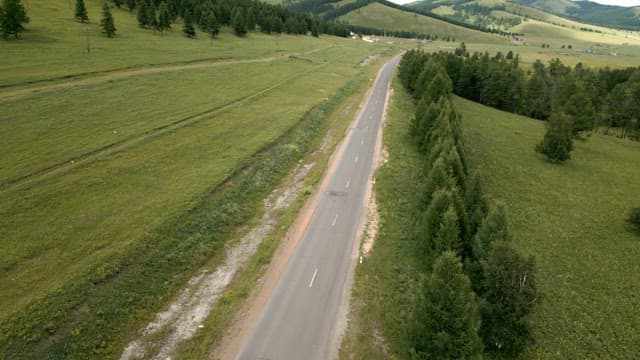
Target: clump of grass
[(634, 219)]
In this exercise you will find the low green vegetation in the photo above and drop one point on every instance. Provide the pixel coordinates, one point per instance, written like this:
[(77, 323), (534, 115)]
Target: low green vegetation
[(574, 226), (126, 177)]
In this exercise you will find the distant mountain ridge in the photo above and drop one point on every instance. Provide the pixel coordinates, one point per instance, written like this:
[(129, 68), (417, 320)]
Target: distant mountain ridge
[(583, 11)]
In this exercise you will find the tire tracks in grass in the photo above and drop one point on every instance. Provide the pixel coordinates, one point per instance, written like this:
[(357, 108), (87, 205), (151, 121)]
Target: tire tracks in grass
[(140, 137), (19, 91)]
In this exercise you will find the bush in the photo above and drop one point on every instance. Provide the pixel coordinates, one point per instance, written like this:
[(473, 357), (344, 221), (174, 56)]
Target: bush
[(634, 219)]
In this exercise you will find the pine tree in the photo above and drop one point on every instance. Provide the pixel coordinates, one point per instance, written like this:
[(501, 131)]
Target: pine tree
[(108, 27), (143, 21), (213, 28), (476, 204), (187, 28), (239, 23), (131, 4), (509, 295), (448, 236), (152, 20), (581, 111), (164, 18), (81, 12), (12, 16), (493, 228), (557, 143), (447, 320)]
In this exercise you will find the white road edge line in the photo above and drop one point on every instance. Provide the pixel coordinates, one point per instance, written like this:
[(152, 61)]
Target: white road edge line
[(334, 220), (313, 277), (348, 183)]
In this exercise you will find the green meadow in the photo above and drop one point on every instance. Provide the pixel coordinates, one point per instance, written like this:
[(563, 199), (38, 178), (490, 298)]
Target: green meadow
[(107, 153), (569, 217)]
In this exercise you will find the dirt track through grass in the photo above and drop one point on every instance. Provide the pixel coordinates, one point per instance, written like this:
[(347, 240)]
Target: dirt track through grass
[(136, 138)]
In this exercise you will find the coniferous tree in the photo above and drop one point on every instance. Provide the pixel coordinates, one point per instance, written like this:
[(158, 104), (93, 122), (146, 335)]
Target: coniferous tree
[(557, 143), (187, 27), (152, 20), (81, 11), (493, 228), (143, 14), (509, 295), (12, 16), (447, 320), (239, 23), (213, 27), (117, 3), (251, 20), (164, 17), (439, 86), (107, 24), (448, 236), (581, 111), (131, 4)]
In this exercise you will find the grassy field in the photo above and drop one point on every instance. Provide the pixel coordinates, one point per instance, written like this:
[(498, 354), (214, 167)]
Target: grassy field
[(58, 45), (571, 218), (107, 161)]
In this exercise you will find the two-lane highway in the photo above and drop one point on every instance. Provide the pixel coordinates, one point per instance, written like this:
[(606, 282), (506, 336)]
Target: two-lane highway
[(298, 319)]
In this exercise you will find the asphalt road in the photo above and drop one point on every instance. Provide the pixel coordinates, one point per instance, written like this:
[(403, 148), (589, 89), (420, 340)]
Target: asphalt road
[(298, 320)]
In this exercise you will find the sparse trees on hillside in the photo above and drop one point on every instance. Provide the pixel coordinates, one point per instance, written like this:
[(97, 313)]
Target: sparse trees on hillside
[(557, 143), (107, 24), (12, 17), (81, 12)]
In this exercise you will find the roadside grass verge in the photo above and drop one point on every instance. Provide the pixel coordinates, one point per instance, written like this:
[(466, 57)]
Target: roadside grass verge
[(386, 282), (339, 111), (572, 219)]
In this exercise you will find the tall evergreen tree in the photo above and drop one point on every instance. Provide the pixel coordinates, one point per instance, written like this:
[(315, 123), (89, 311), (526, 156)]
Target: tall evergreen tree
[(131, 4), (107, 24), (12, 16), (117, 3), (152, 20), (448, 236), (187, 27), (493, 228), (212, 25), (81, 11), (164, 17), (557, 143), (143, 14), (446, 321), (509, 295), (239, 23)]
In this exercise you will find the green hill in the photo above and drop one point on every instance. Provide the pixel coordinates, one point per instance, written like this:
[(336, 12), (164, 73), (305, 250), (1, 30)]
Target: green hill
[(545, 10), (380, 16)]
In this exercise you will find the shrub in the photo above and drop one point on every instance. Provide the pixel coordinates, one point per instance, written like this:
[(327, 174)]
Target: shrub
[(634, 219)]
